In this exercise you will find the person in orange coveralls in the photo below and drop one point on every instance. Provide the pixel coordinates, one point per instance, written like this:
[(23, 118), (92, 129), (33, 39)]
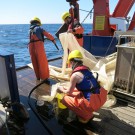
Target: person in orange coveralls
[(74, 27), (36, 49), (84, 94)]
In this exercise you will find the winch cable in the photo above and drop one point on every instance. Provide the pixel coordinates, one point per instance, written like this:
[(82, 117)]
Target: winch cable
[(109, 46), (89, 13), (35, 112)]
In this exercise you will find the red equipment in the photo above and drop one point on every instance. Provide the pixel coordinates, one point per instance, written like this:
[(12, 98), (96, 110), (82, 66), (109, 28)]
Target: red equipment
[(101, 19)]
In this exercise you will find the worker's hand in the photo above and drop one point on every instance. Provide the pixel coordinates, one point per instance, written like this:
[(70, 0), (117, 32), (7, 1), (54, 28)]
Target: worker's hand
[(54, 41), (60, 89), (70, 31)]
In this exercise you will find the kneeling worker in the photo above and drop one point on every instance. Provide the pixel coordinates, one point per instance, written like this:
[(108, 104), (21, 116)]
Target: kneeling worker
[(84, 94)]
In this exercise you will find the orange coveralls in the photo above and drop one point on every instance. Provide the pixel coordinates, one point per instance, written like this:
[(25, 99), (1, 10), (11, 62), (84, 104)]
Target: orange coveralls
[(77, 31), (81, 106), (38, 54)]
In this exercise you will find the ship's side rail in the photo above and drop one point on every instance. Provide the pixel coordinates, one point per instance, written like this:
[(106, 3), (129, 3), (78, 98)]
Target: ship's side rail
[(125, 37)]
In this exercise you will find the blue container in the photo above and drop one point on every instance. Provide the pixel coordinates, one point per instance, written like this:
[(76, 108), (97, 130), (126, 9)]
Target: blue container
[(100, 45)]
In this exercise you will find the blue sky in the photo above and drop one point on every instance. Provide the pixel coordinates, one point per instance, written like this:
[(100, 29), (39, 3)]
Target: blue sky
[(49, 11)]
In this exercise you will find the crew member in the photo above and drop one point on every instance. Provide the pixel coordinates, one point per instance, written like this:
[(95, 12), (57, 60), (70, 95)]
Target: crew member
[(74, 27), (84, 94), (36, 49)]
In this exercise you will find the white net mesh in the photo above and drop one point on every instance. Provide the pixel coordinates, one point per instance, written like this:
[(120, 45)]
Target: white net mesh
[(105, 66)]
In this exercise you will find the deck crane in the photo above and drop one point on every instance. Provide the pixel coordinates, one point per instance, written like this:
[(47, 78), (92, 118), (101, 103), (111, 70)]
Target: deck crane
[(102, 24)]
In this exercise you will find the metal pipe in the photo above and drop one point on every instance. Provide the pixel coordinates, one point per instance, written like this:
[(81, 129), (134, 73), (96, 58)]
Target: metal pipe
[(130, 73), (133, 84)]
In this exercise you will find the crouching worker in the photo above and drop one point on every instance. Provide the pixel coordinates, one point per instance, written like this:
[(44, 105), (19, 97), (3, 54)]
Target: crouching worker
[(84, 95)]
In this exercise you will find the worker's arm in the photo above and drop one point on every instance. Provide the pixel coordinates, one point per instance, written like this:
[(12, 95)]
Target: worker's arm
[(49, 36), (73, 80), (78, 30)]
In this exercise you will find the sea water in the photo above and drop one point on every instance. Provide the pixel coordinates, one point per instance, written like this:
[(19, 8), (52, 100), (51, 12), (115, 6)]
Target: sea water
[(14, 39)]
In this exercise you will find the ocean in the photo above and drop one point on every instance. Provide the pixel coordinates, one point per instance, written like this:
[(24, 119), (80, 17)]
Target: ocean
[(14, 39)]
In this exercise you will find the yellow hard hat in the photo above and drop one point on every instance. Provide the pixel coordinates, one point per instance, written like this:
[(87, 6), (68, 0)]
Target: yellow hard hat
[(75, 54), (65, 15), (36, 19)]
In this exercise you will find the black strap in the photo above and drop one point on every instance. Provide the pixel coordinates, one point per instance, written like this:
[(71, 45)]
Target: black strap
[(32, 32), (92, 90), (31, 41), (97, 75), (79, 36)]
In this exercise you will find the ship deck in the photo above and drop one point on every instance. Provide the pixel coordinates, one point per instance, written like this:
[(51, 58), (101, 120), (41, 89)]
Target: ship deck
[(116, 120)]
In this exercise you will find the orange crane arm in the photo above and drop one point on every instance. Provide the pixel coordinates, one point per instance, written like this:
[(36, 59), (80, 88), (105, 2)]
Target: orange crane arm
[(101, 24), (132, 24), (123, 7)]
